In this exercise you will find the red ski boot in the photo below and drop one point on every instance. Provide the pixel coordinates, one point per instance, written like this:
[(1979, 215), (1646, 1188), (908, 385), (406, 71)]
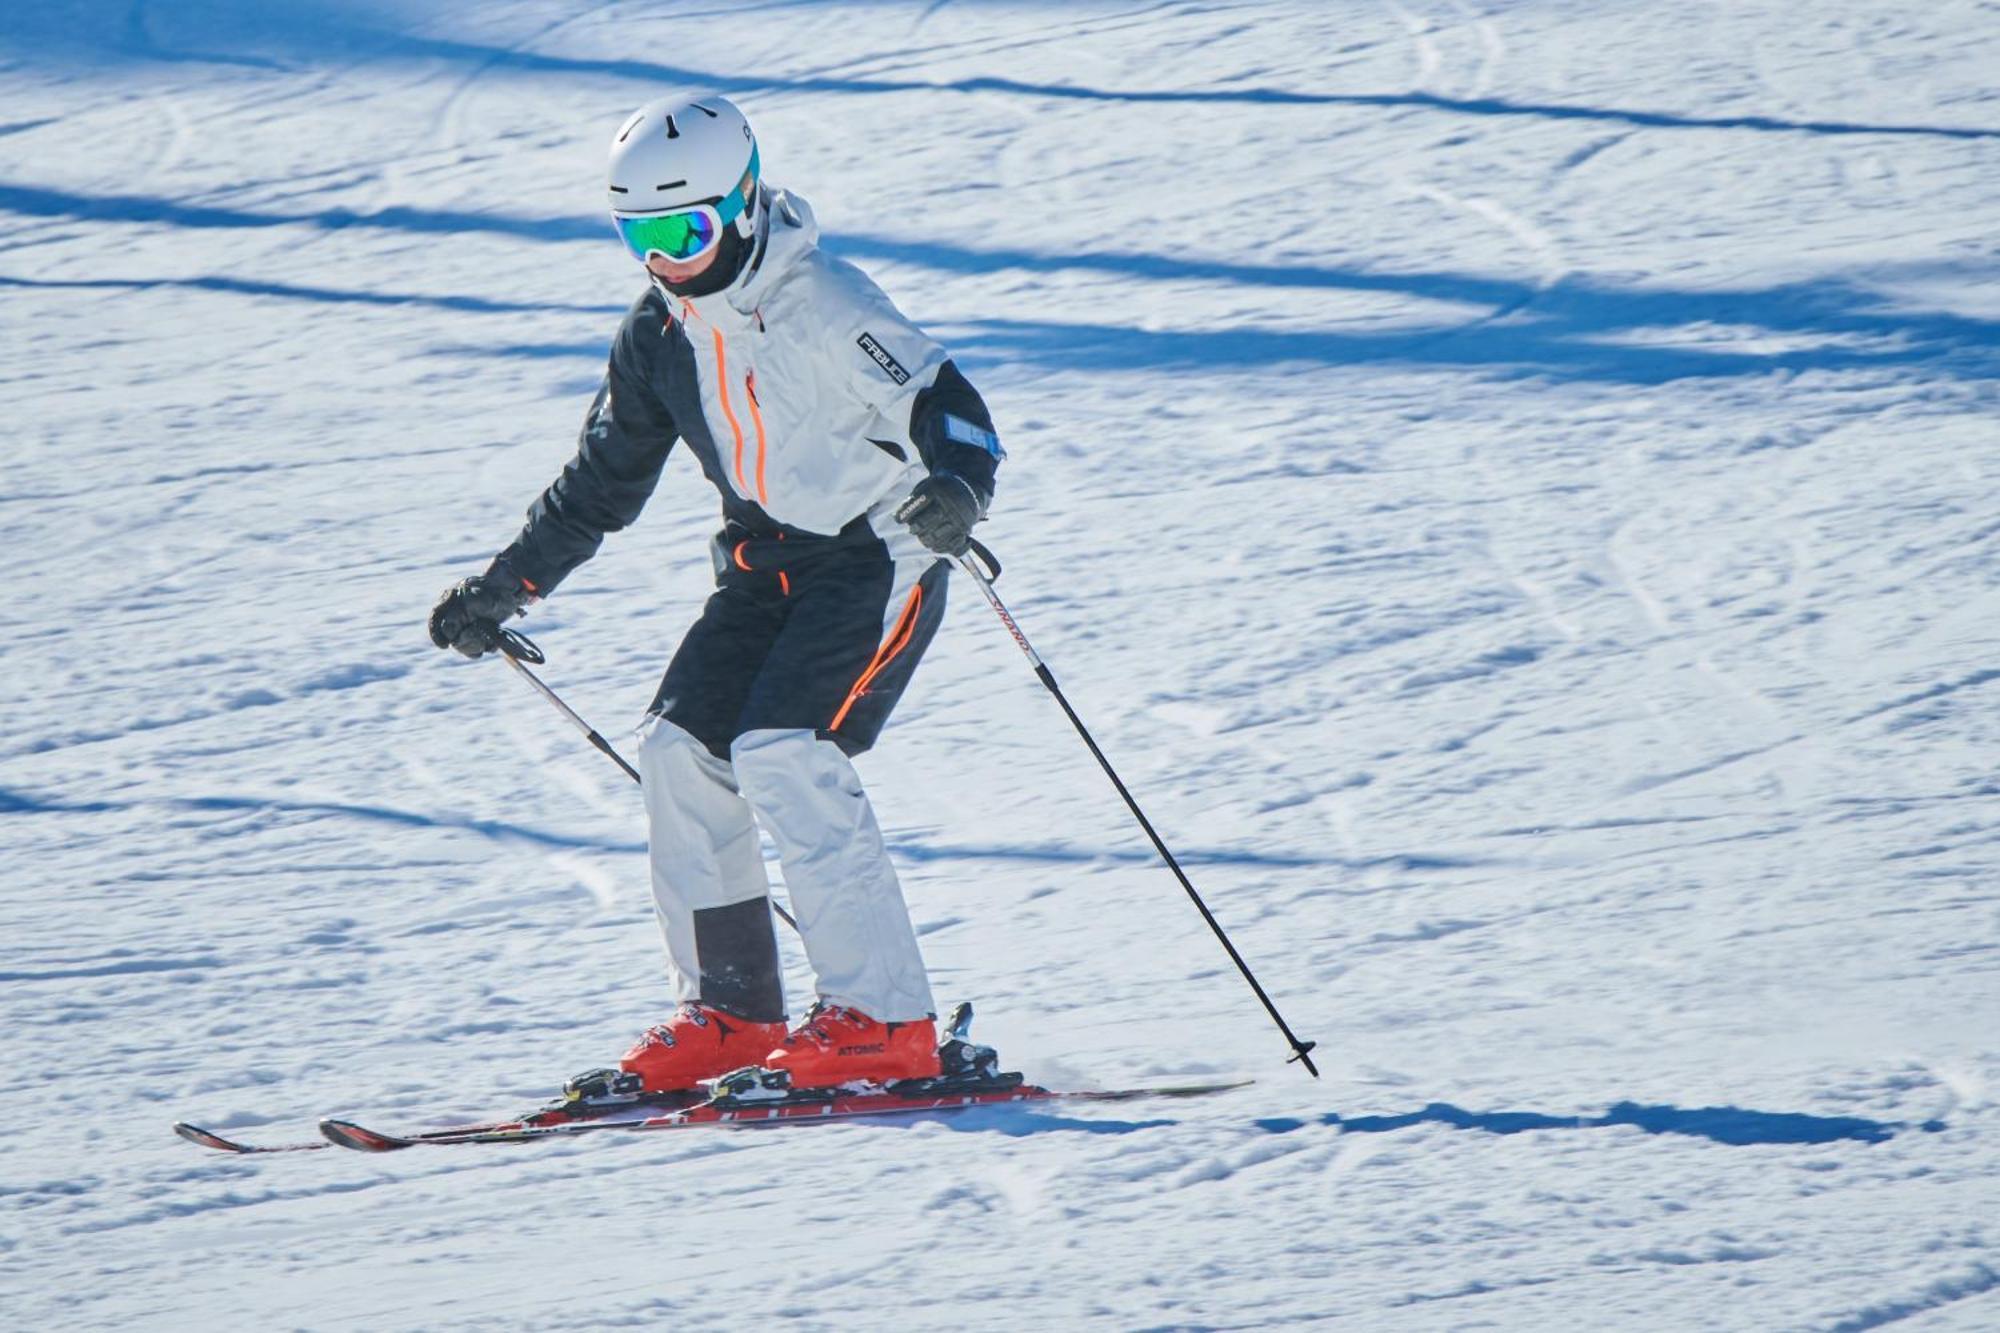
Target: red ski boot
[(698, 1043), (838, 1045)]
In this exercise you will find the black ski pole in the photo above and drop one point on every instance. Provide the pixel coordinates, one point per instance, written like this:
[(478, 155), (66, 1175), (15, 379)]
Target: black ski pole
[(518, 649), (1300, 1049)]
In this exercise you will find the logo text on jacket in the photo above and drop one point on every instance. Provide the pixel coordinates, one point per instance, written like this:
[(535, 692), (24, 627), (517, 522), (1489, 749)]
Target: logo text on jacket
[(890, 365)]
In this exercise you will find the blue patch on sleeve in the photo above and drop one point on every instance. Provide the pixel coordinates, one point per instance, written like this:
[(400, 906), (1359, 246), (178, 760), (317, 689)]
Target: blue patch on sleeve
[(965, 432)]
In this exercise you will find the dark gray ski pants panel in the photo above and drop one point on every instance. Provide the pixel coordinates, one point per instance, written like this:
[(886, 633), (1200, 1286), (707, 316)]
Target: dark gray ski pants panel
[(826, 642)]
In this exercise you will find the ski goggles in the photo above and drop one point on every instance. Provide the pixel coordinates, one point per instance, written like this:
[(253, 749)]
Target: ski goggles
[(686, 233)]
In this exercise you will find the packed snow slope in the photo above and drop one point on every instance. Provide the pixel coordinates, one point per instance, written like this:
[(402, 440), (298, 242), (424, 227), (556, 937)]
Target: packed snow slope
[(1515, 487)]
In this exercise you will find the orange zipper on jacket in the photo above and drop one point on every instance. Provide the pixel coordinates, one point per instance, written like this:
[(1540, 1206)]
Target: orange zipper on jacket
[(728, 411), (729, 408), (756, 419)]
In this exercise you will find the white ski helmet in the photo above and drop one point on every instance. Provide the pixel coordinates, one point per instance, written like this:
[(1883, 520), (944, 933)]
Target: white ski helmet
[(682, 170)]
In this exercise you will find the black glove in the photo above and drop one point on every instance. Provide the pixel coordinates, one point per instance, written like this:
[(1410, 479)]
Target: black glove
[(941, 510), (468, 616)]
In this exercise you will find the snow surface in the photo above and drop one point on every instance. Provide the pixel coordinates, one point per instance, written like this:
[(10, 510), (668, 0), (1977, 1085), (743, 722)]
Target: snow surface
[(1515, 487)]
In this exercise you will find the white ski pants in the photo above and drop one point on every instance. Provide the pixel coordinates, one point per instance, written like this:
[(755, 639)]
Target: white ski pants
[(712, 892)]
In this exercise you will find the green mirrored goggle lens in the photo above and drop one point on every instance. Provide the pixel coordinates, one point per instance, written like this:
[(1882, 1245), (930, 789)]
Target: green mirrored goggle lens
[(675, 235)]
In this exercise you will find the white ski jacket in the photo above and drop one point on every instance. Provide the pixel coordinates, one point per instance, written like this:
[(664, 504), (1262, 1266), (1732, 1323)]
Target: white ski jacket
[(811, 402)]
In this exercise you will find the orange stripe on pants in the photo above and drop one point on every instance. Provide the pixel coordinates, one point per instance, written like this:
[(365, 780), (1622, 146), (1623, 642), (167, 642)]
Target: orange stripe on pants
[(899, 639)]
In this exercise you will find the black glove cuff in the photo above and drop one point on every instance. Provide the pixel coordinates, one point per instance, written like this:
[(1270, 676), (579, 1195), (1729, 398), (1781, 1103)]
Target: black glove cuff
[(500, 576)]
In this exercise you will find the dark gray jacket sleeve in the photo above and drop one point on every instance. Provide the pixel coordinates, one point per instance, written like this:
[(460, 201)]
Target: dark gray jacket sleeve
[(623, 445), (954, 431)]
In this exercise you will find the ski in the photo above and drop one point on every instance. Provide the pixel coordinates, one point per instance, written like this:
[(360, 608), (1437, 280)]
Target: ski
[(573, 1109), (727, 1108), (208, 1138), (613, 1099)]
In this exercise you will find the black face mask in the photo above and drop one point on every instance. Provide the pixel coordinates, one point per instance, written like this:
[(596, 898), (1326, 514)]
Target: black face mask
[(730, 252)]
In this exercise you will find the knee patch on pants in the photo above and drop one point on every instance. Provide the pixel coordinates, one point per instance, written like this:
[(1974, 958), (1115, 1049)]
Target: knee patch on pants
[(709, 881)]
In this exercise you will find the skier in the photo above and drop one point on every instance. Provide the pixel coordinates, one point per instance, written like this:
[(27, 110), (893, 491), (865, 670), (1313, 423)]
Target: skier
[(852, 456)]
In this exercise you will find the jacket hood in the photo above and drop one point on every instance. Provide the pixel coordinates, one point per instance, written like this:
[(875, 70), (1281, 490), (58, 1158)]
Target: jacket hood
[(786, 233)]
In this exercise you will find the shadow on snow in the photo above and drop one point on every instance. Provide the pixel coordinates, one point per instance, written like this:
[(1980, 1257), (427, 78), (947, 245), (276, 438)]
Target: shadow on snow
[(478, 305), (15, 801), (491, 57), (1577, 329), (305, 35), (1732, 1125)]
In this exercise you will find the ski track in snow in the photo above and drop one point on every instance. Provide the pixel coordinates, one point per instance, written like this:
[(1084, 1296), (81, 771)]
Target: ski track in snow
[(1512, 487)]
